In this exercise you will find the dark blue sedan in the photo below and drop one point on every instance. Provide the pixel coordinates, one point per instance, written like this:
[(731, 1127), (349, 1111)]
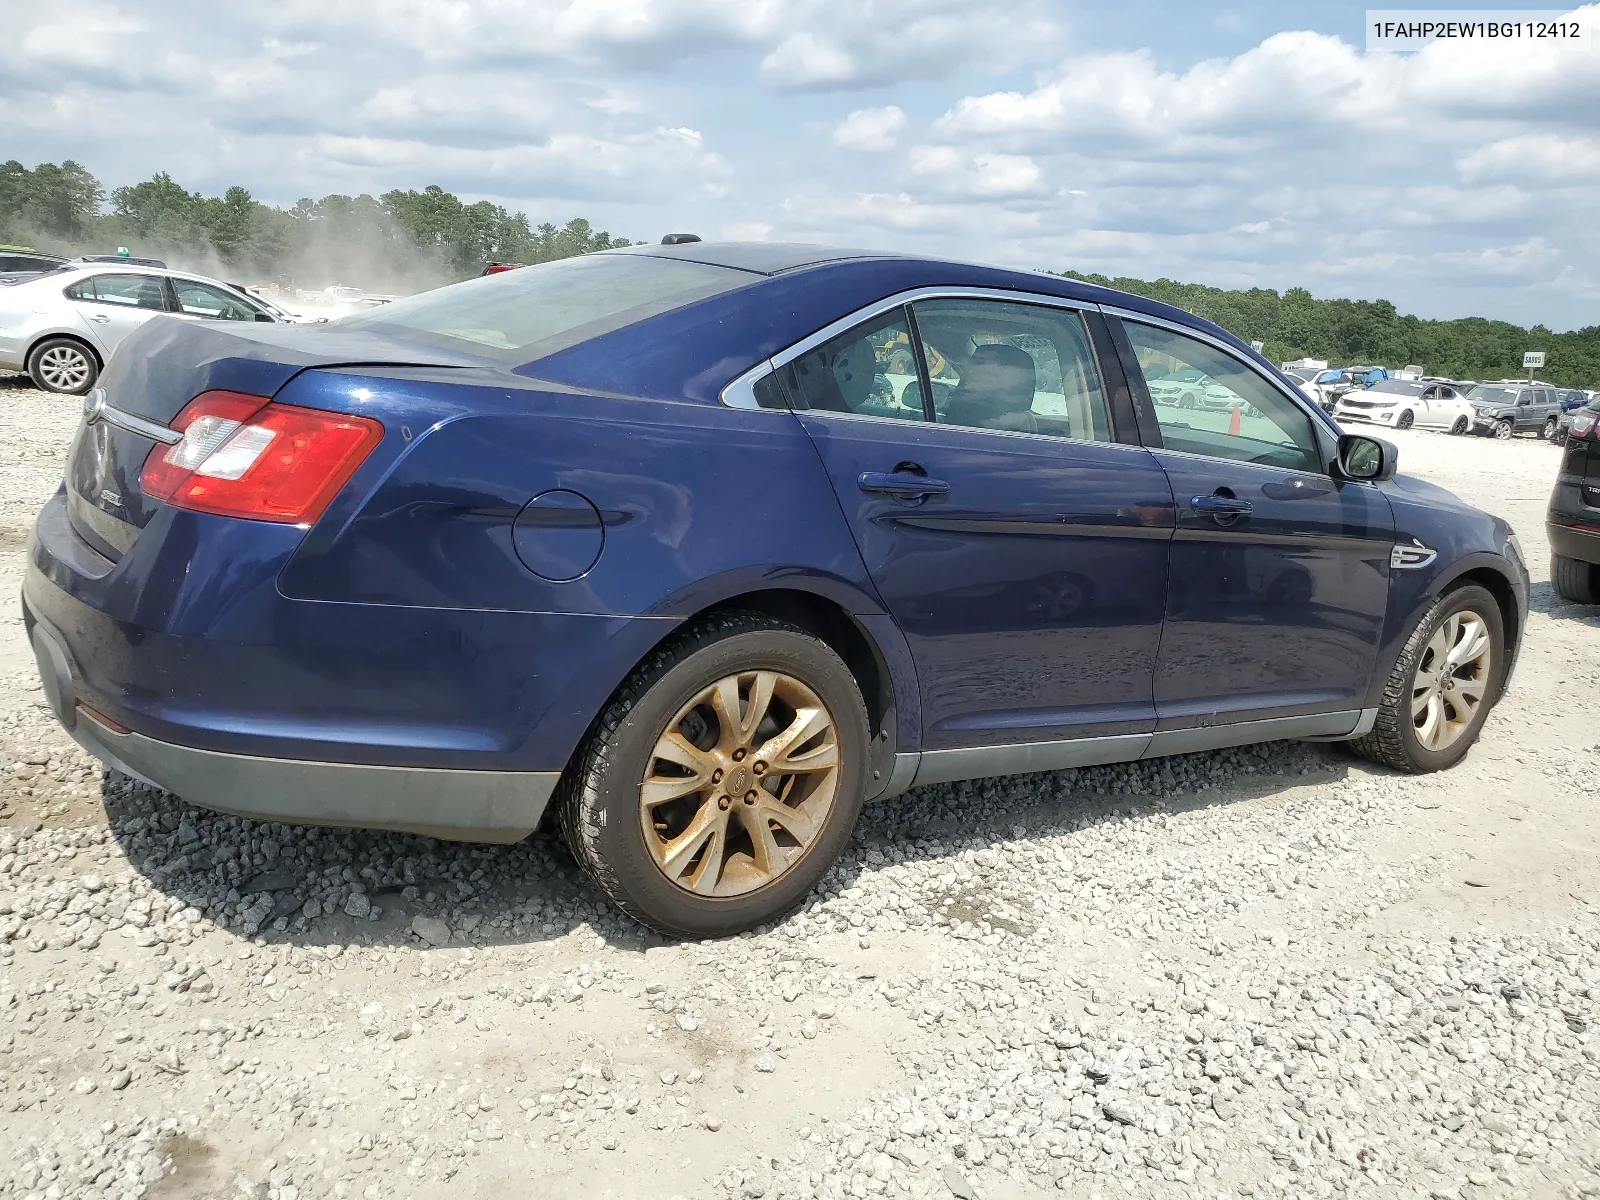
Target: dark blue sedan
[(700, 547)]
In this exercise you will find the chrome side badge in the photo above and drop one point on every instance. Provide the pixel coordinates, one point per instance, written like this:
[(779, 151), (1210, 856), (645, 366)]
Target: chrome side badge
[(1412, 557)]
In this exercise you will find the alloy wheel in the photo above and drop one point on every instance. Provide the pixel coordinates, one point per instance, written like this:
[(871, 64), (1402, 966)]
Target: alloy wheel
[(1503, 430), (740, 784), (1451, 681), (64, 368)]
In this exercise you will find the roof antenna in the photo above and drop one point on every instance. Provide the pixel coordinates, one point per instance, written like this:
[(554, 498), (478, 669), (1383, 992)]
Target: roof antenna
[(678, 239)]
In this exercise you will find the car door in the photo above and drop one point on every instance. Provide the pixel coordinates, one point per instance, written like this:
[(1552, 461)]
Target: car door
[(1429, 412), (1019, 546), (113, 305), (1278, 578)]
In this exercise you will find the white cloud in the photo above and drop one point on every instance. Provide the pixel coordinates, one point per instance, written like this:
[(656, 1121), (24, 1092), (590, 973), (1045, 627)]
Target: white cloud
[(1535, 157), (870, 128)]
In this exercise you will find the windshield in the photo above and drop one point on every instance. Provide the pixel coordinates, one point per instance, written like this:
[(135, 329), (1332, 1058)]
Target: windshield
[(1491, 395), (528, 313)]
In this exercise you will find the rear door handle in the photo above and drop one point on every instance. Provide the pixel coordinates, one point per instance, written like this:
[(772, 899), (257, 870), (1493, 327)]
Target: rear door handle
[(902, 484), (99, 318), (1220, 506)]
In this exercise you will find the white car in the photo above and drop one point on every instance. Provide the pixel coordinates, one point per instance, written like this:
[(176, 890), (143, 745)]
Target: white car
[(1401, 404), (1305, 378), (61, 328)]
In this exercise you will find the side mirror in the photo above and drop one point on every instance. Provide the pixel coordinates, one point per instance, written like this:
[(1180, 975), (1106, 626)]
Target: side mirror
[(1367, 459), (267, 317)]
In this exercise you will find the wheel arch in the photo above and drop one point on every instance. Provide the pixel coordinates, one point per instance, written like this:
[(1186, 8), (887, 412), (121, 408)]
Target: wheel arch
[(65, 335), (884, 674), (1489, 571)]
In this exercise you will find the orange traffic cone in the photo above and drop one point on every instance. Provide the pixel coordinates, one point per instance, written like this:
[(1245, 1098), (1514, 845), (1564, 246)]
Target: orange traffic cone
[(1233, 423)]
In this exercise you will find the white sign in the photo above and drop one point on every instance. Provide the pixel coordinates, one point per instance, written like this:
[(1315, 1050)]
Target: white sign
[(1533, 358), (1256, 346)]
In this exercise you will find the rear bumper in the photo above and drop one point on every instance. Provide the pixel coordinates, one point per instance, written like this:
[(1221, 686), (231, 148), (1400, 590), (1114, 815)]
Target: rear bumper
[(1573, 543), (473, 806)]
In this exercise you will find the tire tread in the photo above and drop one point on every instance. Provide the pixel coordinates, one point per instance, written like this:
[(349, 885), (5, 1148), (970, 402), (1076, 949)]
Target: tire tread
[(1575, 580)]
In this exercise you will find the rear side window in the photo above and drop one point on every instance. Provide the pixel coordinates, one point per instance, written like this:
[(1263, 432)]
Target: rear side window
[(870, 371), (1025, 368), (129, 291), (533, 311)]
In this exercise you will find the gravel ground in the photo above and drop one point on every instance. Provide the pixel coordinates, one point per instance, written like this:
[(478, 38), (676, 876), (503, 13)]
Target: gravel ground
[(1272, 971)]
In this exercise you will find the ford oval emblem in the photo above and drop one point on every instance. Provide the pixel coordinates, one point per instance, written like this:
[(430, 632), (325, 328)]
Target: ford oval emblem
[(94, 405)]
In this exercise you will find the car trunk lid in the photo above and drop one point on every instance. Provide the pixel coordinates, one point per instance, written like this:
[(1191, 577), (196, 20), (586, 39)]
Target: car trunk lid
[(167, 363)]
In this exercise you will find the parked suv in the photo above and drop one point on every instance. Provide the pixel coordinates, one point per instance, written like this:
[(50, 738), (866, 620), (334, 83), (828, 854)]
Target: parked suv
[(1573, 520), (1503, 410)]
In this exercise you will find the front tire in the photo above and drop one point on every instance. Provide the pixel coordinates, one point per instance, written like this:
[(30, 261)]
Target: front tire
[(1503, 431), (64, 366), (1442, 686), (1575, 580), (723, 780), (1406, 421)]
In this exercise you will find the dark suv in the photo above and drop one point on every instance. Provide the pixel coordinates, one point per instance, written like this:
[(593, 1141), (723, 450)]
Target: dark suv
[(1505, 409), (1573, 520)]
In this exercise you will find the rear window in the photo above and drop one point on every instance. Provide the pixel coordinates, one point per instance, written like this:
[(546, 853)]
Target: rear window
[(534, 311)]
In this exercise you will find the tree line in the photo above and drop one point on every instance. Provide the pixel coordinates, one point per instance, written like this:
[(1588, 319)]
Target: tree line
[(401, 240), (406, 240), (1345, 332)]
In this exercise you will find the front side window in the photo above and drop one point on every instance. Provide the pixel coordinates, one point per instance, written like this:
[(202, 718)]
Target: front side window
[(870, 371), (126, 291), (1025, 368), (1236, 415), (203, 300)]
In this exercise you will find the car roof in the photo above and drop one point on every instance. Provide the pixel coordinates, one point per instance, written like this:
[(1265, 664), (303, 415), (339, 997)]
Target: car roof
[(777, 259), (762, 258)]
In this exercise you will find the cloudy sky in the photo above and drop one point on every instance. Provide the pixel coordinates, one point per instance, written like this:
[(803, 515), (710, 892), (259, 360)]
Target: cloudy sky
[(1243, 144)]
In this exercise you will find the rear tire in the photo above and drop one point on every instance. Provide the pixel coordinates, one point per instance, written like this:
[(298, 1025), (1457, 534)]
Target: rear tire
[(666, 865), (1461, 426), (1411, 695), (64, 366), (1550, 430), (1575, 580)]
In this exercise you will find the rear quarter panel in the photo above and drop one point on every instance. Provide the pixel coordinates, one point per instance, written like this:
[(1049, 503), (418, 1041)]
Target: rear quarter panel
[(698, 503)]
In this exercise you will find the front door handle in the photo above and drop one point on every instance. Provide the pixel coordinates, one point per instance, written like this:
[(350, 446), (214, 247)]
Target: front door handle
[(1221, 507), (901, 484)]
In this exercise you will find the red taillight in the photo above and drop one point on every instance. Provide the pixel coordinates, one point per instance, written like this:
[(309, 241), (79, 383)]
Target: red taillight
[(244, 456), (1583, 423)]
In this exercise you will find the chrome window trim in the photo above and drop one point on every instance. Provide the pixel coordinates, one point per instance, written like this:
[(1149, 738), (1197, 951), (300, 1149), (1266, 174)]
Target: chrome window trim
[(734, 394), (911, 296)]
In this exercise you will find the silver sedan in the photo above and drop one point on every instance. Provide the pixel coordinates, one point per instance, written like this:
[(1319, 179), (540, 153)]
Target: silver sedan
[(62, 327)]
